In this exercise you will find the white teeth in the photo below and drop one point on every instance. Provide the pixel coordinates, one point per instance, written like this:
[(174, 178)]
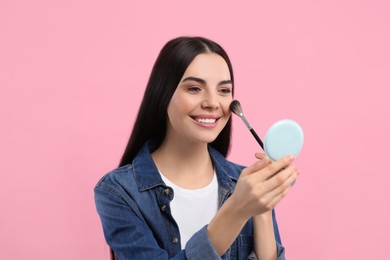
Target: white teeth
[(206, 120)]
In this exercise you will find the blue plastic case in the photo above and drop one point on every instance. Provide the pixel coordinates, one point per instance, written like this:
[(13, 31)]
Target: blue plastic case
[(283, 138)]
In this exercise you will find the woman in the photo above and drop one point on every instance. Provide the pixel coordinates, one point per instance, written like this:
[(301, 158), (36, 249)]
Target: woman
[(175, 196)]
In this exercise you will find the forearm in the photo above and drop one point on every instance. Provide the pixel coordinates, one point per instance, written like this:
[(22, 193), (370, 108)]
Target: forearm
[(225, 227), (264, 236)]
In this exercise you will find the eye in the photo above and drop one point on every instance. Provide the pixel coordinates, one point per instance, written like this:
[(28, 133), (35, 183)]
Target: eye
[(225, 91), (193, 89)]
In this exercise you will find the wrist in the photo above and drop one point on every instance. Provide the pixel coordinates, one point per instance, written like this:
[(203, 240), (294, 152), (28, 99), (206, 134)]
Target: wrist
[(234, 211), (237, 208), (264, 217)]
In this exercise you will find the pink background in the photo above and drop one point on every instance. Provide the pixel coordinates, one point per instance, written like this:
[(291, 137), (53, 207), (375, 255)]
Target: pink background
[(72, 74)]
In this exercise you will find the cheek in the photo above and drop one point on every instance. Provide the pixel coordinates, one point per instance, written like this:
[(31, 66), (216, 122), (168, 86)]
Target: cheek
[(226, 106), (178, 107), (182, 104)]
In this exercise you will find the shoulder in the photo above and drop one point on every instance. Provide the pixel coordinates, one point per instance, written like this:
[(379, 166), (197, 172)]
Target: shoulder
[(117, 180), (138, 176), (116, 174)]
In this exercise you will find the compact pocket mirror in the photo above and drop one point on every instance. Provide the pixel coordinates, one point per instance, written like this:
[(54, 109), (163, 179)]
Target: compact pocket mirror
[(283, 138)]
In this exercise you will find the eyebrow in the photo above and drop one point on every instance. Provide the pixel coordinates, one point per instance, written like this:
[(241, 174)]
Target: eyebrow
[(202, 81)]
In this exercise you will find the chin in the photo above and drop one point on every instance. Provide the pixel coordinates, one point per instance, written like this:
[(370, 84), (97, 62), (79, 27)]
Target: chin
[(207, 139)]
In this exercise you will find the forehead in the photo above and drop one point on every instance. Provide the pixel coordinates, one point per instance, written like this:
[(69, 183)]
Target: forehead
[(208, 65)]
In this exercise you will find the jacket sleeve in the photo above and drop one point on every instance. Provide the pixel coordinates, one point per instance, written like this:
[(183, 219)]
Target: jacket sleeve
[(279, 246), (280, 255), (130, 237)]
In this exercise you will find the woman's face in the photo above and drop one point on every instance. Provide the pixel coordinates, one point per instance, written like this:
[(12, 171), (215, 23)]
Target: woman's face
[(199, 108)]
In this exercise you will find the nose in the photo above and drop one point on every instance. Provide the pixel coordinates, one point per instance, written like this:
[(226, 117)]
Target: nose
[(210, 101)]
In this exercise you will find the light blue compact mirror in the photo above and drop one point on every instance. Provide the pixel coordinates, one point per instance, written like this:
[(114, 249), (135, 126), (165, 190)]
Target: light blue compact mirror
[(283, 138)]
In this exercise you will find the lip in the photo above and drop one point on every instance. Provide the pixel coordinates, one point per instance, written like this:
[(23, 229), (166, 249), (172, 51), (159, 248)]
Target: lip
[(204, 124)]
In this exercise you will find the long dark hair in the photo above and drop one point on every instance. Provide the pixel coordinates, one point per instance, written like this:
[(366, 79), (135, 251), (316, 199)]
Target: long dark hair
[(171, 63)]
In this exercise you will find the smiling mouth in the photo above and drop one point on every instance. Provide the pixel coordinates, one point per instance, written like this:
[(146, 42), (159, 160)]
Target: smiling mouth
[(205, 120)]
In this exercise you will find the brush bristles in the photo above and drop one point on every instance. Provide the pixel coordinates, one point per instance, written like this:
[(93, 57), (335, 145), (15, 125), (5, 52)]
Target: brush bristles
[(235, 107)]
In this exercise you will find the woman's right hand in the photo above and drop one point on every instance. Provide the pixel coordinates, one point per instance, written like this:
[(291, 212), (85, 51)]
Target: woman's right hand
[(259, 188), (262, 185)]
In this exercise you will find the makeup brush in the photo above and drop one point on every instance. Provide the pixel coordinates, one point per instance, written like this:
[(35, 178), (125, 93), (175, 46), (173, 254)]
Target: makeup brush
[(235, 107)]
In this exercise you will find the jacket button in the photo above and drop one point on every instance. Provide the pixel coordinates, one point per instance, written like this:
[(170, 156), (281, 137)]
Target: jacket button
[(167, 191), (163, 208), (175, 240)]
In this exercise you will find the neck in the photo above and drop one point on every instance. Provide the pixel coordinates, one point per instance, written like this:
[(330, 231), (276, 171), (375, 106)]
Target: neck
[(186, 164)]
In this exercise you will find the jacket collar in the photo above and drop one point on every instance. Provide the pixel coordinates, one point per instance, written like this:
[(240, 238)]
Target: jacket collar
[(147, 175)]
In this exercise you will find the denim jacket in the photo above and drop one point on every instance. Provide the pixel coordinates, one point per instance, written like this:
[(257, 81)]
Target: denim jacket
[(133, 205)]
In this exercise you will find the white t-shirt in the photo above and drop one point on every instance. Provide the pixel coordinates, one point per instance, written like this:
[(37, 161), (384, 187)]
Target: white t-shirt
[(193, 209)]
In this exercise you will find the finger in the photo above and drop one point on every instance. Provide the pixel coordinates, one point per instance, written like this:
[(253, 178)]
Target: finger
[(279, 197), (275, 167), (276, 195), (283, 181), (257, 166), (260, 156), (278, 179)]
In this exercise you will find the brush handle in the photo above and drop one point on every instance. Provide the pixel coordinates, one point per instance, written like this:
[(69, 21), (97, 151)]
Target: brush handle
[(257, 138)]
